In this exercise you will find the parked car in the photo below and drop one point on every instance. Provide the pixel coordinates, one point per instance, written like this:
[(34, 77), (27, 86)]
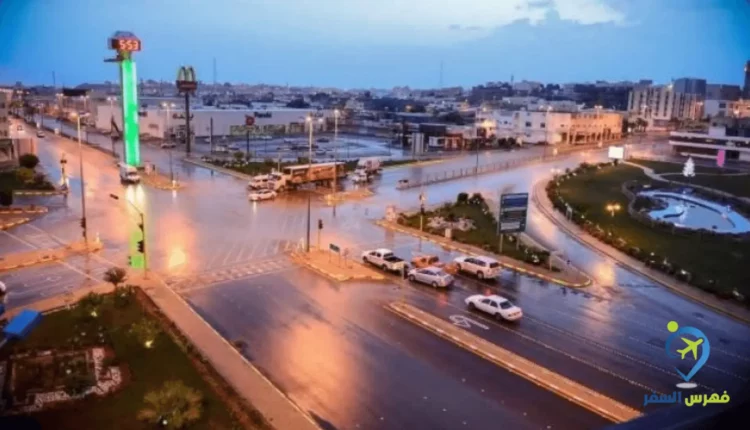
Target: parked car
[(385, 259), (423, 261), (234, 147), (266, 137), (262, 195), (481, 267), (323, 140), (434, 276), (168, 145), (40, 134), (221, 149), (494, 305)]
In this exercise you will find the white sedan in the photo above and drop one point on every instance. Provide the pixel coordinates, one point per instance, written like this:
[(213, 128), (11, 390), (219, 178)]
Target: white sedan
[(262, 195), (497, 306), (434, 276), (168, 145)]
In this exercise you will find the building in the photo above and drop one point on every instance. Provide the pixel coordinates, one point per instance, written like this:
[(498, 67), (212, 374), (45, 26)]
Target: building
[(746, 87), (5, 100), (723, 92), (551, 127), (708, 145), (690, 86), (162, 123), (726, 108), (660, 104)]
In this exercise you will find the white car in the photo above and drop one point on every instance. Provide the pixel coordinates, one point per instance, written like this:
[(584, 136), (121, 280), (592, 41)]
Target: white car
[(221, 149), (168, 145), (40, 134), (262, 195), (497, 306), (481, 267), (434, 276)]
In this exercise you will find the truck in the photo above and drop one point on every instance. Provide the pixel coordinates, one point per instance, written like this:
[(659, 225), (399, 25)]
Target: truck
[(129, 174), (385, 259), (368, 166), (292, 177)]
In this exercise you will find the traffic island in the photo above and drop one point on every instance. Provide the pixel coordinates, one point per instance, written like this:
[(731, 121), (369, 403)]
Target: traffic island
[(29, 209), (474, 232), (566, 388), (40, 256), (7, 222), (336, 267), (161, 182), (610, 205)]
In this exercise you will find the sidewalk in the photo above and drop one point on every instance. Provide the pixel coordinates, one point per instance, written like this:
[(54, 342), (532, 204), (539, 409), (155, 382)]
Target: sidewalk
[(336, 267), (556, 383), (568, 277), (9, 221), (725, 307), (244, 378), (38, 256), (28, 209), (161, 182)]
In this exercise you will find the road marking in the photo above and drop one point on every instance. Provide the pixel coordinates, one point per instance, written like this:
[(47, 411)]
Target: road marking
[(466, 322)]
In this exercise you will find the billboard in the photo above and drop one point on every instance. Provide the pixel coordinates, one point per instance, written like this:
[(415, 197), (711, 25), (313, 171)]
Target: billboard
[(513, 210), (616, 152)]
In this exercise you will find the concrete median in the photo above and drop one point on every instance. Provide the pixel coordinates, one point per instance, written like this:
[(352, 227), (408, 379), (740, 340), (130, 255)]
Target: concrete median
[(558, 384)]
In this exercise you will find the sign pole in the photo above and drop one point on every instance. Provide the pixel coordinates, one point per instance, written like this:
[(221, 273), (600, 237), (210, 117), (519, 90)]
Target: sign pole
[(501, 243)]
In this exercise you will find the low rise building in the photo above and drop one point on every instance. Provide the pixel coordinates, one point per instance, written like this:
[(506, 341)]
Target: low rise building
[(726, 108), (710, 145), (660, 104)]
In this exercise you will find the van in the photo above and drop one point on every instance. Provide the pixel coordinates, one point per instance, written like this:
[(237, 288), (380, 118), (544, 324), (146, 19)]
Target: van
[(259, 182), (129, 174)]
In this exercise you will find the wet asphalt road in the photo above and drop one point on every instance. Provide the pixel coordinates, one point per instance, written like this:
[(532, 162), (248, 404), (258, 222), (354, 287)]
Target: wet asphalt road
[(341, 356), (610, 337)]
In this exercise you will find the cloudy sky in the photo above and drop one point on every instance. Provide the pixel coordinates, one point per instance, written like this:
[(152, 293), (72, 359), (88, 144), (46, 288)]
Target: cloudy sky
[(380, 43)]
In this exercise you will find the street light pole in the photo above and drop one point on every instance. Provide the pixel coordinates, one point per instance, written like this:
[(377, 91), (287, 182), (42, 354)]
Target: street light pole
[(83, 191), (309, 177), (142, 227), (335, 155)]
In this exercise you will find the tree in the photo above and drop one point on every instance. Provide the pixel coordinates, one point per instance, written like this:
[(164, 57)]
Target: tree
[(298, 103), (115, 276), (88, 306), (688, 170), (173, 406), (24, 174), (454, 117), (6, 197), (239, 155), (145, 331), (29, 161)]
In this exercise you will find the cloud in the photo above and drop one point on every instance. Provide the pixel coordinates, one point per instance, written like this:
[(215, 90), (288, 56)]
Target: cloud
[(540, 4), (458, 27)]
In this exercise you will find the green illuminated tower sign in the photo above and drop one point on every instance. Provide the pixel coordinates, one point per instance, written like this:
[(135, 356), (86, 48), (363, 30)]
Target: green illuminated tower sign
[(125, 43)]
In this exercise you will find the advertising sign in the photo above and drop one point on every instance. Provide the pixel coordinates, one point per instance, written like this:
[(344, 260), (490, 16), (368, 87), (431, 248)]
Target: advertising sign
[(721, 158), (513, 210), (616, 152)]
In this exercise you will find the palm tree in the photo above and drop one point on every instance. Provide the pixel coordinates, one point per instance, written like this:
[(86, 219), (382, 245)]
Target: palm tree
[(174, 406), (115, 276)]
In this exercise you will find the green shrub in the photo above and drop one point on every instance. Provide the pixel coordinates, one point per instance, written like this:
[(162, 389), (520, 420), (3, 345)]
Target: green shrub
[(462, 198), (24, 174), (6, 197)]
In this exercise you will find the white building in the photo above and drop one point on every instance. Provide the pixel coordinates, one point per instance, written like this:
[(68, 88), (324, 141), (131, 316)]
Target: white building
[(161, 122), (551, 127), (726, 108), (5, 100), (708, 145), (658, 104)]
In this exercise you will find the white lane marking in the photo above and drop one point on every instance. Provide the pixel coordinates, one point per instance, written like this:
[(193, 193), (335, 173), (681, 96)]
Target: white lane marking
[(466, 322)]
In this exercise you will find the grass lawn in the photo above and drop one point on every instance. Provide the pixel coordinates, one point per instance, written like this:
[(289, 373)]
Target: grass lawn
[(9, 181), (706, 257), (483, 236), (727, 180), (145, 370)]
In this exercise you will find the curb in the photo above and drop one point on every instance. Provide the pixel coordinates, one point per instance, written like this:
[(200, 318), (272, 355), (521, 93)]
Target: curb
[(223, 170), (468, 251), (24, 210), (49, 258), (14, 223), (567, 229), (38, 193), (335, 276), (617, 412)]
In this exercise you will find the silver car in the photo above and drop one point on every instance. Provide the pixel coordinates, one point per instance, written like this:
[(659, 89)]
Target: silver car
[(434, 276)]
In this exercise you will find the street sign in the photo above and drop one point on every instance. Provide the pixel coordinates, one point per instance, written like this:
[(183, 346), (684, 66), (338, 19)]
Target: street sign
[(513, 210), (721, 158), (334, 248)]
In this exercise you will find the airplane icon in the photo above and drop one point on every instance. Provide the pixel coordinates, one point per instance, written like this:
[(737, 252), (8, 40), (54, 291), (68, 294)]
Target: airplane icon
[(691, 346)]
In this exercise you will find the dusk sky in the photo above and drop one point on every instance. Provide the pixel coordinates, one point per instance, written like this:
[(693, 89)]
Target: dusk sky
[(380, 43)]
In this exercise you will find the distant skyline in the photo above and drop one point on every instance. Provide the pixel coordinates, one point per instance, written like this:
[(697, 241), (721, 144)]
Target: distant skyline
[(380, 43)]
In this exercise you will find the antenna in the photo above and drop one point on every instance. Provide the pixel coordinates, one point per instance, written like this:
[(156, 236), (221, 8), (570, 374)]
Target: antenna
[(214, 72), (440, 82)]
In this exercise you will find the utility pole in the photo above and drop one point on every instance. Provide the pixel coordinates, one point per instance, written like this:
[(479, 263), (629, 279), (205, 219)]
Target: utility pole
[(247, 143), (335, 156), (311, 121), (83, 190), (211, 136)]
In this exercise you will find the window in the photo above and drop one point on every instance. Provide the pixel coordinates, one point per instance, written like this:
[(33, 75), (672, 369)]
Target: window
[(493, 304), (542, 125), (528, 124), (505, 305), (486, 301)]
